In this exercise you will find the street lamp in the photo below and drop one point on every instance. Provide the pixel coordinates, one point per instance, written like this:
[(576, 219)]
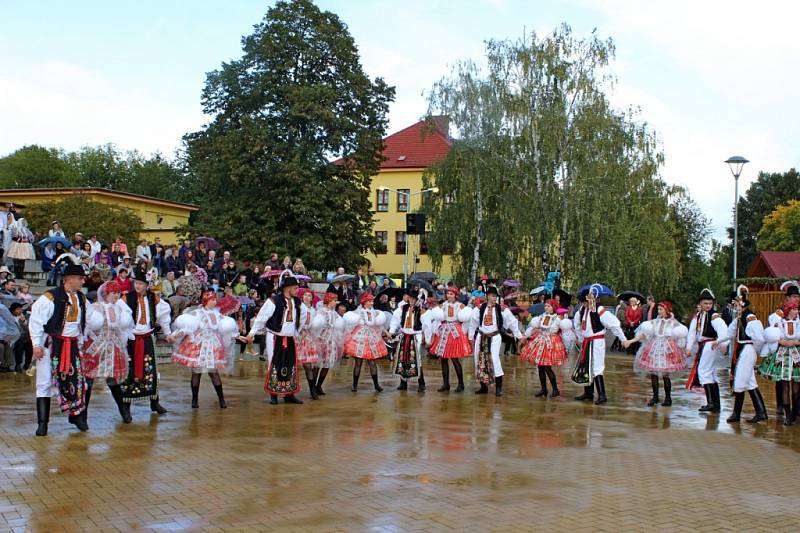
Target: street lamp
[(408, 196), (736, 163)]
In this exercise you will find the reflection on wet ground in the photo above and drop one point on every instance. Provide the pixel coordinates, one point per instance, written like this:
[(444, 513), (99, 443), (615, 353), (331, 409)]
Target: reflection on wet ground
[(399, 461)]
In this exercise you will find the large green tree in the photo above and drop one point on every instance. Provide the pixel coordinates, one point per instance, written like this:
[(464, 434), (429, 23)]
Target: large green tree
[(36, 167), (780, 230), (544, 170), (770, 190), (264, 169)]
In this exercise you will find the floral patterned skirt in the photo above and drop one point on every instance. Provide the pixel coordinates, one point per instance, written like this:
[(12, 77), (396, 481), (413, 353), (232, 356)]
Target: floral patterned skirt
[(202, 351), (104, 358), (544, 350), (329, 348), (450, 342), (661, 355), (782, 365), (307, 352), (365, 342)]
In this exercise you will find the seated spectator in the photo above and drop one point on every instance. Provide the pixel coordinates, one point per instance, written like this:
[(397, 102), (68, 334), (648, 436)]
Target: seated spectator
[(168, 285), (55, 230), (241, 287), (23, 348), (178, 302), (24, 293), (103, 257), (143, 251), (124, 280), (121, 246)]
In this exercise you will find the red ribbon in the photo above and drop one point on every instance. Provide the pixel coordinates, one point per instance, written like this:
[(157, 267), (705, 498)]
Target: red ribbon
[(693, 372), (65, 361), (138, 356), (586, 341)]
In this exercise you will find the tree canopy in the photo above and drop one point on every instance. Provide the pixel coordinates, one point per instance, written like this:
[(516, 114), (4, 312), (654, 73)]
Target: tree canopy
[(780, 230), (264, 169)]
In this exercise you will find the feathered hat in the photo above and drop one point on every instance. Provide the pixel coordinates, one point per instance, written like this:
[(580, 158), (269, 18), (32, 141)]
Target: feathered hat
[(790, 288), (70, 265), (287, 279), (743, 295), (706, 294)]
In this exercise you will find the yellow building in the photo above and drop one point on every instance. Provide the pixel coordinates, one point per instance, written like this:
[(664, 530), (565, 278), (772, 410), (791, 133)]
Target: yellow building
[(160, 218), (397, 190)]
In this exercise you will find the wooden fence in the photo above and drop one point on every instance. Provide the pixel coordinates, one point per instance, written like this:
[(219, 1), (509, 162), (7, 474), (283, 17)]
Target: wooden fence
[(765, 303)]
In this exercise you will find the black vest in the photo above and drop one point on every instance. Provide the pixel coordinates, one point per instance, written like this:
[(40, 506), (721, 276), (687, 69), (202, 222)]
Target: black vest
[(60, 299), (708, 330), (132, 299), (417, 326), (594, 319), (275, 322), (497, 313), (741, 326)]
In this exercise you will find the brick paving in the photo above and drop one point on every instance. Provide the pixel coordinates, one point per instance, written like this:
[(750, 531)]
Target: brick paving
[(398, 461)]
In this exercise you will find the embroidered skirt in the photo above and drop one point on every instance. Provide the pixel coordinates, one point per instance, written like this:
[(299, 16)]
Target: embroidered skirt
[(782, 365), (365, 342), (450, 342), (661, 355), (307, 352), (545, 350), (105, 357)]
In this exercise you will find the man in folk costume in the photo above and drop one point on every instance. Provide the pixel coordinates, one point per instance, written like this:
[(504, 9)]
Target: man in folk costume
[(590, 324), (407, 318), (57, 327), (791, 295), (746, 334), (148, 310), (281, 317), (705, 328), (488, 320)]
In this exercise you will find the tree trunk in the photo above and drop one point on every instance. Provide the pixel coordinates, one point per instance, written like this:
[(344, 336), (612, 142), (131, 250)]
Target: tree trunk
[(476, 249)]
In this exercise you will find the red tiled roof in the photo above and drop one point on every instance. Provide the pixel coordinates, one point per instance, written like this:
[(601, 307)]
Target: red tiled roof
[(420, 145), (779, 264)]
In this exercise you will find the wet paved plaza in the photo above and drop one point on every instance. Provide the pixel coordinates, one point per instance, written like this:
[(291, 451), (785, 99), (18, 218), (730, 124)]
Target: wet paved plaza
[(399, 461)]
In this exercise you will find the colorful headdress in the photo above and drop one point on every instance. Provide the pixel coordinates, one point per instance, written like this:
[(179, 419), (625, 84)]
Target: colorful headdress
[(552, 302), (207, 297), (454, 290), (667, 305), (330, 297), (366, 297), (706, 294)]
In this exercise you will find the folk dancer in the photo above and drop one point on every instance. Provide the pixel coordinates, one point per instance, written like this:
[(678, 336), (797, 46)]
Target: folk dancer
[(407, 321), (57, 326), (328, 332), (590, 324), (662, 353), (487, 321), (148, 310), (208, 339), (364, 338), (282, 319), (791, 295), (105, 352), (307, 351), (782, 361), (449, 340), (746, 334), (544, 346), (705, 328)]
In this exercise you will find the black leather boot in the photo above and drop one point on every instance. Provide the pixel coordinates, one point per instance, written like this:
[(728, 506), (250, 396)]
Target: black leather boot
[(375, 384), (553, 382), (708, 406), (312, 390), (498, 386), (459, 375), (601, 390), (42, 415), (543, 382), (221, 396), (667, 392), (781, 409), (195, 394), (588, 393), (85, 413), (124, 408), (758, 403), (292, 399), (716, 406), (654, 383), (355, 382), (738, 402), (320, 378), (156, 407), (445, 376), (273, 399), (403, 385), (421, 383), (483, 390)]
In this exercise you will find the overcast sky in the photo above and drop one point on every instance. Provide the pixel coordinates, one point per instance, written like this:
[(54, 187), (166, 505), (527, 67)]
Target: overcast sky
[(713, 79)]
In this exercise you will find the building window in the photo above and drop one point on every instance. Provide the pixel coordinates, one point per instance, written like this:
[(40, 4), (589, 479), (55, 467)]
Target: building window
[(427, 198), (382, 201), (423, 244), (400, 242), (383, 241), (402, 199)]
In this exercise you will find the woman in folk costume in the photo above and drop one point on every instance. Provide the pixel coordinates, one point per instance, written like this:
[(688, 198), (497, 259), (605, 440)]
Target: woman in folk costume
[(450, 342), (663, 352), (591, 322), (633, 318), (705, 328), (746, 337), (782, 361), (364, 338), (206, 346), (544, 346), (307, 352), (57, 326), (327, 329), (21, 247), (488, 320), (105, 352), (791, 296), (280, 316), (407, 323)]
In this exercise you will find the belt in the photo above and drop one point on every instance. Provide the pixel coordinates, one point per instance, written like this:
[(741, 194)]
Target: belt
[(488, 335), (65, 360), (586, 341)]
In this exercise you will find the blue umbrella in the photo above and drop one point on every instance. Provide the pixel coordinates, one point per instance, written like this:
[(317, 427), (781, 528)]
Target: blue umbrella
[(53, 240), (602, 290)]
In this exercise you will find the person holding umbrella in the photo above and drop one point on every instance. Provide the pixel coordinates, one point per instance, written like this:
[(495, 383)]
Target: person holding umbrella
[(590, 324)]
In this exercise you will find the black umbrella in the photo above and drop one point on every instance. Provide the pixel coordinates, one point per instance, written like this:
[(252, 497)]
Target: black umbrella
[(421, 284), (627, 295), (564, 297), (397, 292), (427, 276)]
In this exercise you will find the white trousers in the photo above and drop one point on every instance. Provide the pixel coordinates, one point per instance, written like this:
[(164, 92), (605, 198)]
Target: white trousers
[(707, 367), (44, 377), (598, 358), (745, 377), (494, 349)]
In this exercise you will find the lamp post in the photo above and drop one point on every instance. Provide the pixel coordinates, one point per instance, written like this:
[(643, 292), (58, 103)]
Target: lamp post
[(736, 163), (408, 196)]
